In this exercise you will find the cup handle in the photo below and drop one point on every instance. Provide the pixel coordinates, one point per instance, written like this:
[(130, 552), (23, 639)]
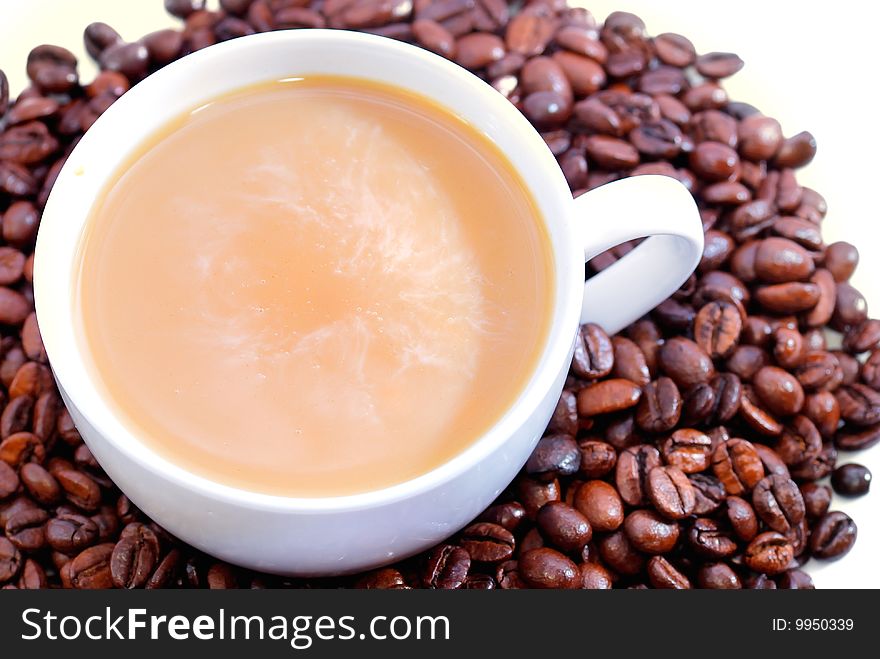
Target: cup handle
[(637, 207)]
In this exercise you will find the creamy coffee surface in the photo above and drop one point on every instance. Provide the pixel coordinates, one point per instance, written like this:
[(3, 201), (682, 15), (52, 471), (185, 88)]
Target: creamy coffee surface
[(314, 287)]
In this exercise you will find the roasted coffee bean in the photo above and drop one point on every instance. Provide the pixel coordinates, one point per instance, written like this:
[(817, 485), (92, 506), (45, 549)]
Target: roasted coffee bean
[(563, 526), (796, 580), (713, 161), (40, 484), (52, 69), (779, 391), (650, 533), (851, 480), (707, 538), (662, 574), (611, 153), (529, 32), (819, 467), (10, 560), (850, 309), (773, 464), (98, 37), (9, 480), (737, 465), (601, 504), (718, 576), (685, 362), (631, 473), (717, 247), (607, 396), (507, 515), (870, 372), (800, 441), (674, 49), (447, 567), (477, 50), (718, 65), (222, 576), (21, 447), (746, 361), (593, 576), (134, 558), (742, 518), (833, 536), (620, 555), (688, 449), (697, 404), (780, 260), (817, 499), (564, 419), (533, 494), (659, 408), (585, 75), (674, 315), (71, 533), (796, 151), (80, 490), (630, 362), (555, 455), (759, 137), (717, 328), (817, 370), (841, 259), (383, 579), (25, 529), (593, 353), (779, 503), (670, 492), (547, 568), (859, 404), (709, 493), (769, 552), (489, 543), (598, 458)]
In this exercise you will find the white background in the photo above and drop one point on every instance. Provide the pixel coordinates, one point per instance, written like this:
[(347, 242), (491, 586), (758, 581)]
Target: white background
[(812, 65)]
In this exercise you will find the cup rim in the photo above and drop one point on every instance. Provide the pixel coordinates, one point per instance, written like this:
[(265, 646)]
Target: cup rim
[(76, 380)]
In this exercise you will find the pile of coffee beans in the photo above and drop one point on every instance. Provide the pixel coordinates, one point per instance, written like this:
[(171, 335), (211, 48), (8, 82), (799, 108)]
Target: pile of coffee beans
[(685, 452)]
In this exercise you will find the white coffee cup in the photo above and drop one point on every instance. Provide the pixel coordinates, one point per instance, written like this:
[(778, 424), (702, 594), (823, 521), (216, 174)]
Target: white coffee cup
[(312, 536)]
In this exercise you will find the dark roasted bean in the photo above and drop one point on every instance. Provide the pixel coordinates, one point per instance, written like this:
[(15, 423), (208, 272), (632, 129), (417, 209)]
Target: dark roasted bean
[(833, 536), (620, 555), (670, 491), (600, 503), (593, 353), (718, 576), (508, 515), (779, 503), (631, 474), (737, 465), (718, 65), (650, 533), (707, 538), (489, 543), (555, 455), (859, 404), (817, 499), (688, 449), (769, 552), (547, 568), (533, 494), (742, 518), (598, 458), (447, 567), (659, 408), (563, 526), (852, 480)]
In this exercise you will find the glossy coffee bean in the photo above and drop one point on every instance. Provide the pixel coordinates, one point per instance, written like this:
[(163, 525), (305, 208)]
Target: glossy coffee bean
[(851, 480)]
